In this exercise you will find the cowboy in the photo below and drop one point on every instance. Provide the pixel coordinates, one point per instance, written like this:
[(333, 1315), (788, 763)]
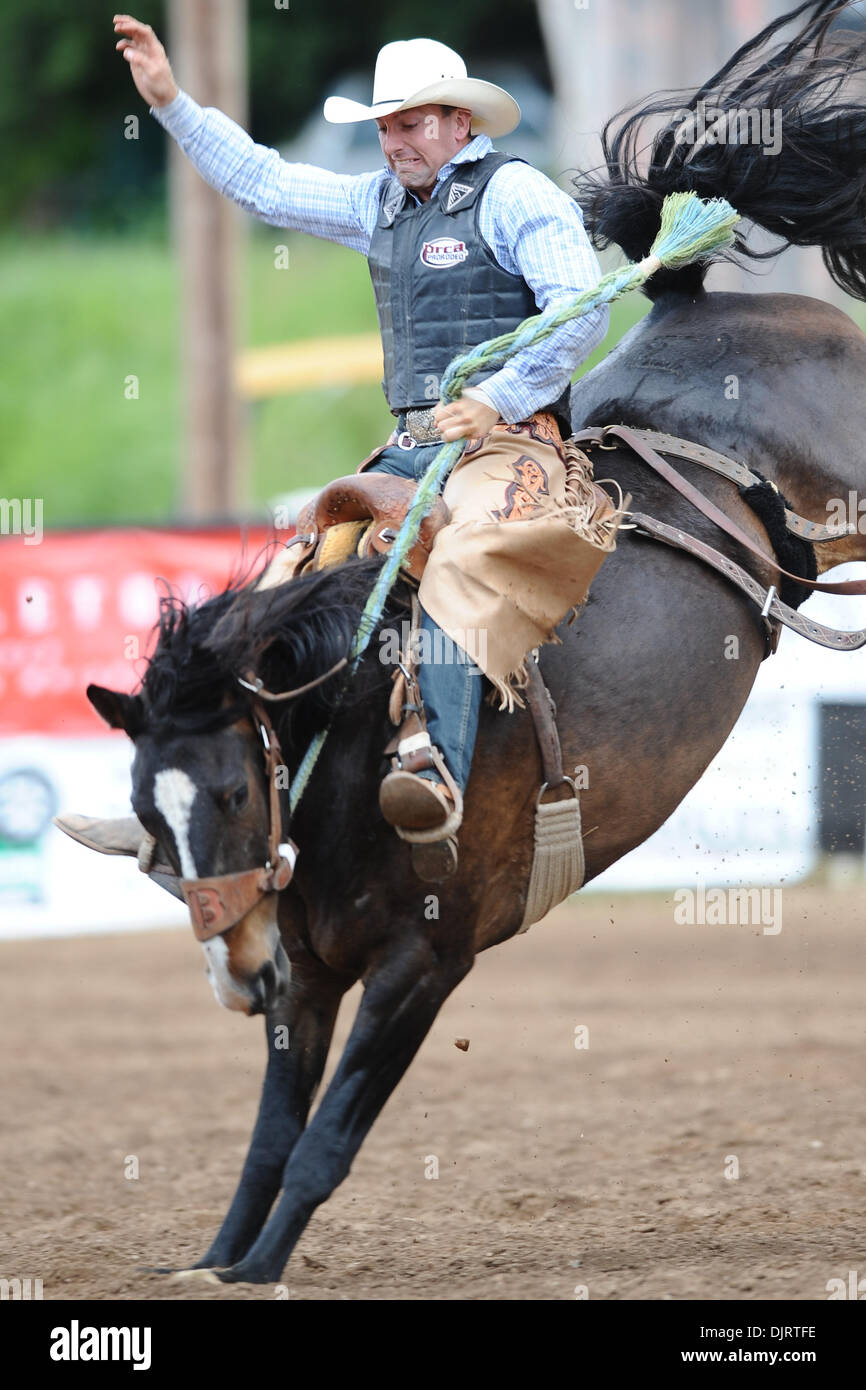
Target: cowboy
[(463, 243)]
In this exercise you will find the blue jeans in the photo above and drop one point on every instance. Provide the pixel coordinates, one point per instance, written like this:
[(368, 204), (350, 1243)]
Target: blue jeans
[(450, 682)]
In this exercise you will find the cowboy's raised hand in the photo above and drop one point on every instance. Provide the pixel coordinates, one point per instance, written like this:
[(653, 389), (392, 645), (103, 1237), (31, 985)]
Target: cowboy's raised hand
[(151, 71), (464, 419)]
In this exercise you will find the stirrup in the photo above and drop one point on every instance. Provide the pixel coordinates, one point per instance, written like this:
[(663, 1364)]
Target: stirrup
[(453, 819), (433, 851)]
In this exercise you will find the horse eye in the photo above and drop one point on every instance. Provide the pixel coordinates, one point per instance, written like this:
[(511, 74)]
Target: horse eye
[(239, 798)]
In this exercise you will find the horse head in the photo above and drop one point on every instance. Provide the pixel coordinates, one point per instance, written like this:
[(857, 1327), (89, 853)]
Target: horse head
[(211, 771)]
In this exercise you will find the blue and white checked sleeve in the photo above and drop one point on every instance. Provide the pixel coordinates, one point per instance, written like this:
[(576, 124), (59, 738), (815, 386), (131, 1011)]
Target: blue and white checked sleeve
[(533, 228), (338, 207)]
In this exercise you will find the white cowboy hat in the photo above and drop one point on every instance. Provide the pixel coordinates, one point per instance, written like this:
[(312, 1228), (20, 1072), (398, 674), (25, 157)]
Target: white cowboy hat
[(422, 72)]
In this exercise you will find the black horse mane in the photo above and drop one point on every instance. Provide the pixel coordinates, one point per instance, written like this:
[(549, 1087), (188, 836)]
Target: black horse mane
[(287, 636), (811, 193)]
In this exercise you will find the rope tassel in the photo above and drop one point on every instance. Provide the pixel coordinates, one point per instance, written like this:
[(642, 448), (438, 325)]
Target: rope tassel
[(691, 228)]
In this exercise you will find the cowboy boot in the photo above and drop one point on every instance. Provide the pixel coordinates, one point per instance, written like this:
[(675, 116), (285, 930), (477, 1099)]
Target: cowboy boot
[(409, 801), (424, 810), (425, 813), (122, 835)]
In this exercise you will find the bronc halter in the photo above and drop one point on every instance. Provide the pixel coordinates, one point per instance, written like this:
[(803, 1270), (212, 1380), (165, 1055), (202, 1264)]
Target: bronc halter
[(216, 904)]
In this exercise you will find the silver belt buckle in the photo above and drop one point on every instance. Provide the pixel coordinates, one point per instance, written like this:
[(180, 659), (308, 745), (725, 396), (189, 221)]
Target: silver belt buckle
[(421, 425)]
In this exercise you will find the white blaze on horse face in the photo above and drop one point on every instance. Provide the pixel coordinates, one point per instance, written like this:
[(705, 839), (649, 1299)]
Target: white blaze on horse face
[(225, 988), (173, 795)]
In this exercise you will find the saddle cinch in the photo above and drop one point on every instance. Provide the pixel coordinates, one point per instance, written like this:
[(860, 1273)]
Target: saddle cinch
[(357, 515)]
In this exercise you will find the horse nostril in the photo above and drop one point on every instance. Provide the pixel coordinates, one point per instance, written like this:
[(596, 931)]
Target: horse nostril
[(268, 978)]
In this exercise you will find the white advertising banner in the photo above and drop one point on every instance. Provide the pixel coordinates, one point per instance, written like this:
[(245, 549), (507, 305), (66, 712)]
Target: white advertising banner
[(49, 885)]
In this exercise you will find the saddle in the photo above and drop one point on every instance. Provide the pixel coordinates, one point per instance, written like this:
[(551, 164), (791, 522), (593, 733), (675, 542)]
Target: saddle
[(357, 515)]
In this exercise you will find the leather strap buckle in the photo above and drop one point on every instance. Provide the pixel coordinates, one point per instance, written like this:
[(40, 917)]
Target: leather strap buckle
[(768, 601)]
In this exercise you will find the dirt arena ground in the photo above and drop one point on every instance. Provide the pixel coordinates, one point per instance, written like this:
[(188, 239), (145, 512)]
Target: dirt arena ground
[(563, 1171)]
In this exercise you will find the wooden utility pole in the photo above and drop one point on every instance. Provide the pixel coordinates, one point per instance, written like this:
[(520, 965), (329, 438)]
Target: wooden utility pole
[(208, 53)]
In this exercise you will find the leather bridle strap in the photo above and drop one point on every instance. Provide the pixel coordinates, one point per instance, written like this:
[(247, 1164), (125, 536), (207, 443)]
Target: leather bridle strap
[(598, 434), (253, 683), (282, 869)]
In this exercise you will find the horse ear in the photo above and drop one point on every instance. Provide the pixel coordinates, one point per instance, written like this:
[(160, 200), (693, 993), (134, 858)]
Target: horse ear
[(119, 711)]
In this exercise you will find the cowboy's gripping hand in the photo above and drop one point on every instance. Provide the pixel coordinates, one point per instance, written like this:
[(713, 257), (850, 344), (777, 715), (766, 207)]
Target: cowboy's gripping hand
[(147, 60), (464, 419)]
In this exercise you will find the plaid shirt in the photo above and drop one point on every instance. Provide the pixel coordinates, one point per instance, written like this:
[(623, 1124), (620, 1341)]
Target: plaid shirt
[(532, 227)]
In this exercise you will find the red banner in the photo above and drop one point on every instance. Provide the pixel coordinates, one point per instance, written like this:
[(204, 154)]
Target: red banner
[(80, 607)]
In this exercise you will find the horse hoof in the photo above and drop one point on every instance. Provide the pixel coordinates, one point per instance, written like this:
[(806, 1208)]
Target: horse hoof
[(197, 1276), (238, 1274)]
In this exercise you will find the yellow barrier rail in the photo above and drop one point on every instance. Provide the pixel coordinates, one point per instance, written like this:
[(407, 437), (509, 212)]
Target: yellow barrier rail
[(278, 370)]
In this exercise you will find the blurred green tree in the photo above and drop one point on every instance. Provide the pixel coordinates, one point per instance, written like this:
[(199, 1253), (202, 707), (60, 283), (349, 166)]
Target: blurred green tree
[(64, 92)]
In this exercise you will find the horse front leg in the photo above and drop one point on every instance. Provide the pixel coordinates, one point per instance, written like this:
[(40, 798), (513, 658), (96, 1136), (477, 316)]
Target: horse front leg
[(401, 999), (298, 1033)]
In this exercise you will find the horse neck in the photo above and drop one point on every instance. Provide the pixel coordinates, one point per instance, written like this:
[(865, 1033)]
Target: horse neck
[(343, 784), (337, 825), (804, 406), (801, 418)]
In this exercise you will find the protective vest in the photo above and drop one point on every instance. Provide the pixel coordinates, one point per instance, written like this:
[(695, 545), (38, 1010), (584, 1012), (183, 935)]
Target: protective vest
[(439, 288)]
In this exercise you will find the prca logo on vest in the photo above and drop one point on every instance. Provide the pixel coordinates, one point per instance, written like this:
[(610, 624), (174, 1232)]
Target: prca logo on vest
[(443, 251)]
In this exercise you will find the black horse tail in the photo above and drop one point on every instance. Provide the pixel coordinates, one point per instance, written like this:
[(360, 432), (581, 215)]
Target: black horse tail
[(778, 131)]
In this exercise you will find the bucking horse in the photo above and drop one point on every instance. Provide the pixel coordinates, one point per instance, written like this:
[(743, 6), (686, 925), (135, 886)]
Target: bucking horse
[(644, 688)]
